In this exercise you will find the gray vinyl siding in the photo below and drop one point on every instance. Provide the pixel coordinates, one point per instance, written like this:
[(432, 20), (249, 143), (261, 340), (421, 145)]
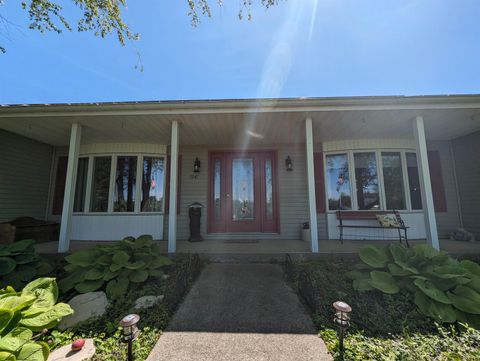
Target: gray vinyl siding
[(25, 167), (467, 162), (292, 188), (450, 220)]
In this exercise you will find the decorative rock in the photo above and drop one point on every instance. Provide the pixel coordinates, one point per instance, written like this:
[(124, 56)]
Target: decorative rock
[(66, 353), (147, 301), (85, 306)]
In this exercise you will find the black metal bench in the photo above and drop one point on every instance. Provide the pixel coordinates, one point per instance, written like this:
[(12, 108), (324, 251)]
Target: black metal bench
[(371, 215)]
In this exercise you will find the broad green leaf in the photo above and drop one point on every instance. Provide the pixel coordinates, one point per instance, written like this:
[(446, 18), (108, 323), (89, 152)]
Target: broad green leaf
[(374, 256), (5, 318), (447, 272), (472, 267), (160, 261), (398, 251), (108, 275), (32, 352), (7, 356), (42, 284), (431, 291), (94, 274), (143, 240), (16, 303), (85, 258), (89, 286), (47, 319), (26, 272), (465, 299), (155, 273), (396, 270), (69, 282), (384, 282), (24, 258), (139, 276), (15, 339), (20, 246), (104, 260), (136, 265), (43, 268), (362, 285), (117, 288), (7, 265), (120, 258), (436, 310), (115, 267), (407, 267)]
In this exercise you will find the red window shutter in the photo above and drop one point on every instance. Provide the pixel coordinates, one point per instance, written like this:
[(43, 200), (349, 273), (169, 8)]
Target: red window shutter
[(167, 185), (438, 189), (319, 181), (60, 178)]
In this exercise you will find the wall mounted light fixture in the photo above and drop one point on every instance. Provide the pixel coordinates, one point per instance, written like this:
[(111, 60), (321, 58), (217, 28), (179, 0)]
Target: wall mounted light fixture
[(196, 166), (288, 163)]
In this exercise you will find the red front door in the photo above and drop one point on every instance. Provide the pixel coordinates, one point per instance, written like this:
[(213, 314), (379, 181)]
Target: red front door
[(242, 195)]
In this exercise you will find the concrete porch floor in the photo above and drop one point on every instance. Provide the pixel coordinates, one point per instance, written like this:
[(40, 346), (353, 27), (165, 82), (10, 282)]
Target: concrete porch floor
[(270, 247)]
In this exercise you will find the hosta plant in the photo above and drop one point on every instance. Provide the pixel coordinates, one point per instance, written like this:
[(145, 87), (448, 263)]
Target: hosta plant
[(19, 264), (26, 315), (114, 267), (442, 287)]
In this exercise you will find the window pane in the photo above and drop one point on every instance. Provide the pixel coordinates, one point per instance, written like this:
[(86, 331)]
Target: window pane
[(242, 189), (367, 181), (393, 180), (152, 184), (414, 181), (338, 182), (81, 185), (100, 184), (59, 191), (125, 181), (217, 189), (268, 189)]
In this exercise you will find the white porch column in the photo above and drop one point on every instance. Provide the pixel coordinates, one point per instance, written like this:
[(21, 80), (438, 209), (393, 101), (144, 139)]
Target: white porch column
[(172, 217), (69, 195), (425, 184), (311, 185)]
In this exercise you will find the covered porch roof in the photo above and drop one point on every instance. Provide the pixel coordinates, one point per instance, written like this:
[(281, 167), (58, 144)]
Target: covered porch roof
[(246, 122)]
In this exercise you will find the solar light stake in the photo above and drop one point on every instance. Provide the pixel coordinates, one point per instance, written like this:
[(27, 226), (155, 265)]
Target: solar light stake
[(130, 332), (341, 320)]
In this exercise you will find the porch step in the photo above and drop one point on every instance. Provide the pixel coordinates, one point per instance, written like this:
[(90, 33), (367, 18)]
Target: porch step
[(247, 258)]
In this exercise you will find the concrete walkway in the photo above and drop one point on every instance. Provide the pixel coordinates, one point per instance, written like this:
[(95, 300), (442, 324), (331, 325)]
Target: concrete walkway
[(240, 312)]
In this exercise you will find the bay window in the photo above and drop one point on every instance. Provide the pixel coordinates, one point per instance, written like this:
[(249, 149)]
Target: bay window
[(380, 180), (152, 184), (125, 184)]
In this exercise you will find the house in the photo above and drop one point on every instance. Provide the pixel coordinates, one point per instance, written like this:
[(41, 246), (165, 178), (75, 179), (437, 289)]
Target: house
[(260, 167)]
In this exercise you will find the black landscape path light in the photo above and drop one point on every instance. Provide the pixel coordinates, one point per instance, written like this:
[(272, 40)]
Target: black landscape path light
[(341, 319), (130, 332)]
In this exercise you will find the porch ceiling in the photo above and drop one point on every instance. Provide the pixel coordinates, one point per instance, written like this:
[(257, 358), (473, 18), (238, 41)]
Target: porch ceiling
[(239, 124)]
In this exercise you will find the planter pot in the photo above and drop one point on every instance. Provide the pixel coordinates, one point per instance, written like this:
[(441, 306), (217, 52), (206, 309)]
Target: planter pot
[(306, 235)]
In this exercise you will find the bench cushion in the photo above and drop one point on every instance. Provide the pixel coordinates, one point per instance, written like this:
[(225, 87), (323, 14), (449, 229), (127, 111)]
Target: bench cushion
[(387, 220)]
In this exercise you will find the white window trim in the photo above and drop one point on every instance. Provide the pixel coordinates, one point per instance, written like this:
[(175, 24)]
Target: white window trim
[(381, 186)]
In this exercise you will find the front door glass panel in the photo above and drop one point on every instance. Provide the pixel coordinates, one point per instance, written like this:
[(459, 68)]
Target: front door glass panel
[(242, 189)]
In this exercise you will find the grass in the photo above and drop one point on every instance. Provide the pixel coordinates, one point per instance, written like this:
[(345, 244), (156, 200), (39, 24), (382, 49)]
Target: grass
[(383, 327)]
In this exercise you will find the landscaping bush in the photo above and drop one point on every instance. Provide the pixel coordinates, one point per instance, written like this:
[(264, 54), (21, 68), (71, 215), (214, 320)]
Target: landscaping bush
[(24, 313), (114, 267), (443, 288), (105, 329), (19, 264)]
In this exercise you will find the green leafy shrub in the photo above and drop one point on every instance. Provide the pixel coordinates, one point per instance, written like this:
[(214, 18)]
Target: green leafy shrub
[(24, 313), (19, 264), (114, 267), (444, 344), (444, 289)]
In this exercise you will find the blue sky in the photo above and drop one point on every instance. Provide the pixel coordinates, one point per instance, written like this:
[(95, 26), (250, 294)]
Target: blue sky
[(298, 48)]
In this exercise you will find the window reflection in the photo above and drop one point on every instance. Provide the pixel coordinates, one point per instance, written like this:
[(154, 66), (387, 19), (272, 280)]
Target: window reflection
[(125, 182), (100, 184), (268, 189), (366, 181), (217, 189), (414, 181), (393, 180), (152, 184), (338, 182)]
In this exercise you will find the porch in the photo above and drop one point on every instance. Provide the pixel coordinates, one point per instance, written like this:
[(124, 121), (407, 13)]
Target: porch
[(131, 169)]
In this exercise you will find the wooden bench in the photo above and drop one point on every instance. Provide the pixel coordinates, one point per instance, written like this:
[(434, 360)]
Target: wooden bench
[(371, 215)]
